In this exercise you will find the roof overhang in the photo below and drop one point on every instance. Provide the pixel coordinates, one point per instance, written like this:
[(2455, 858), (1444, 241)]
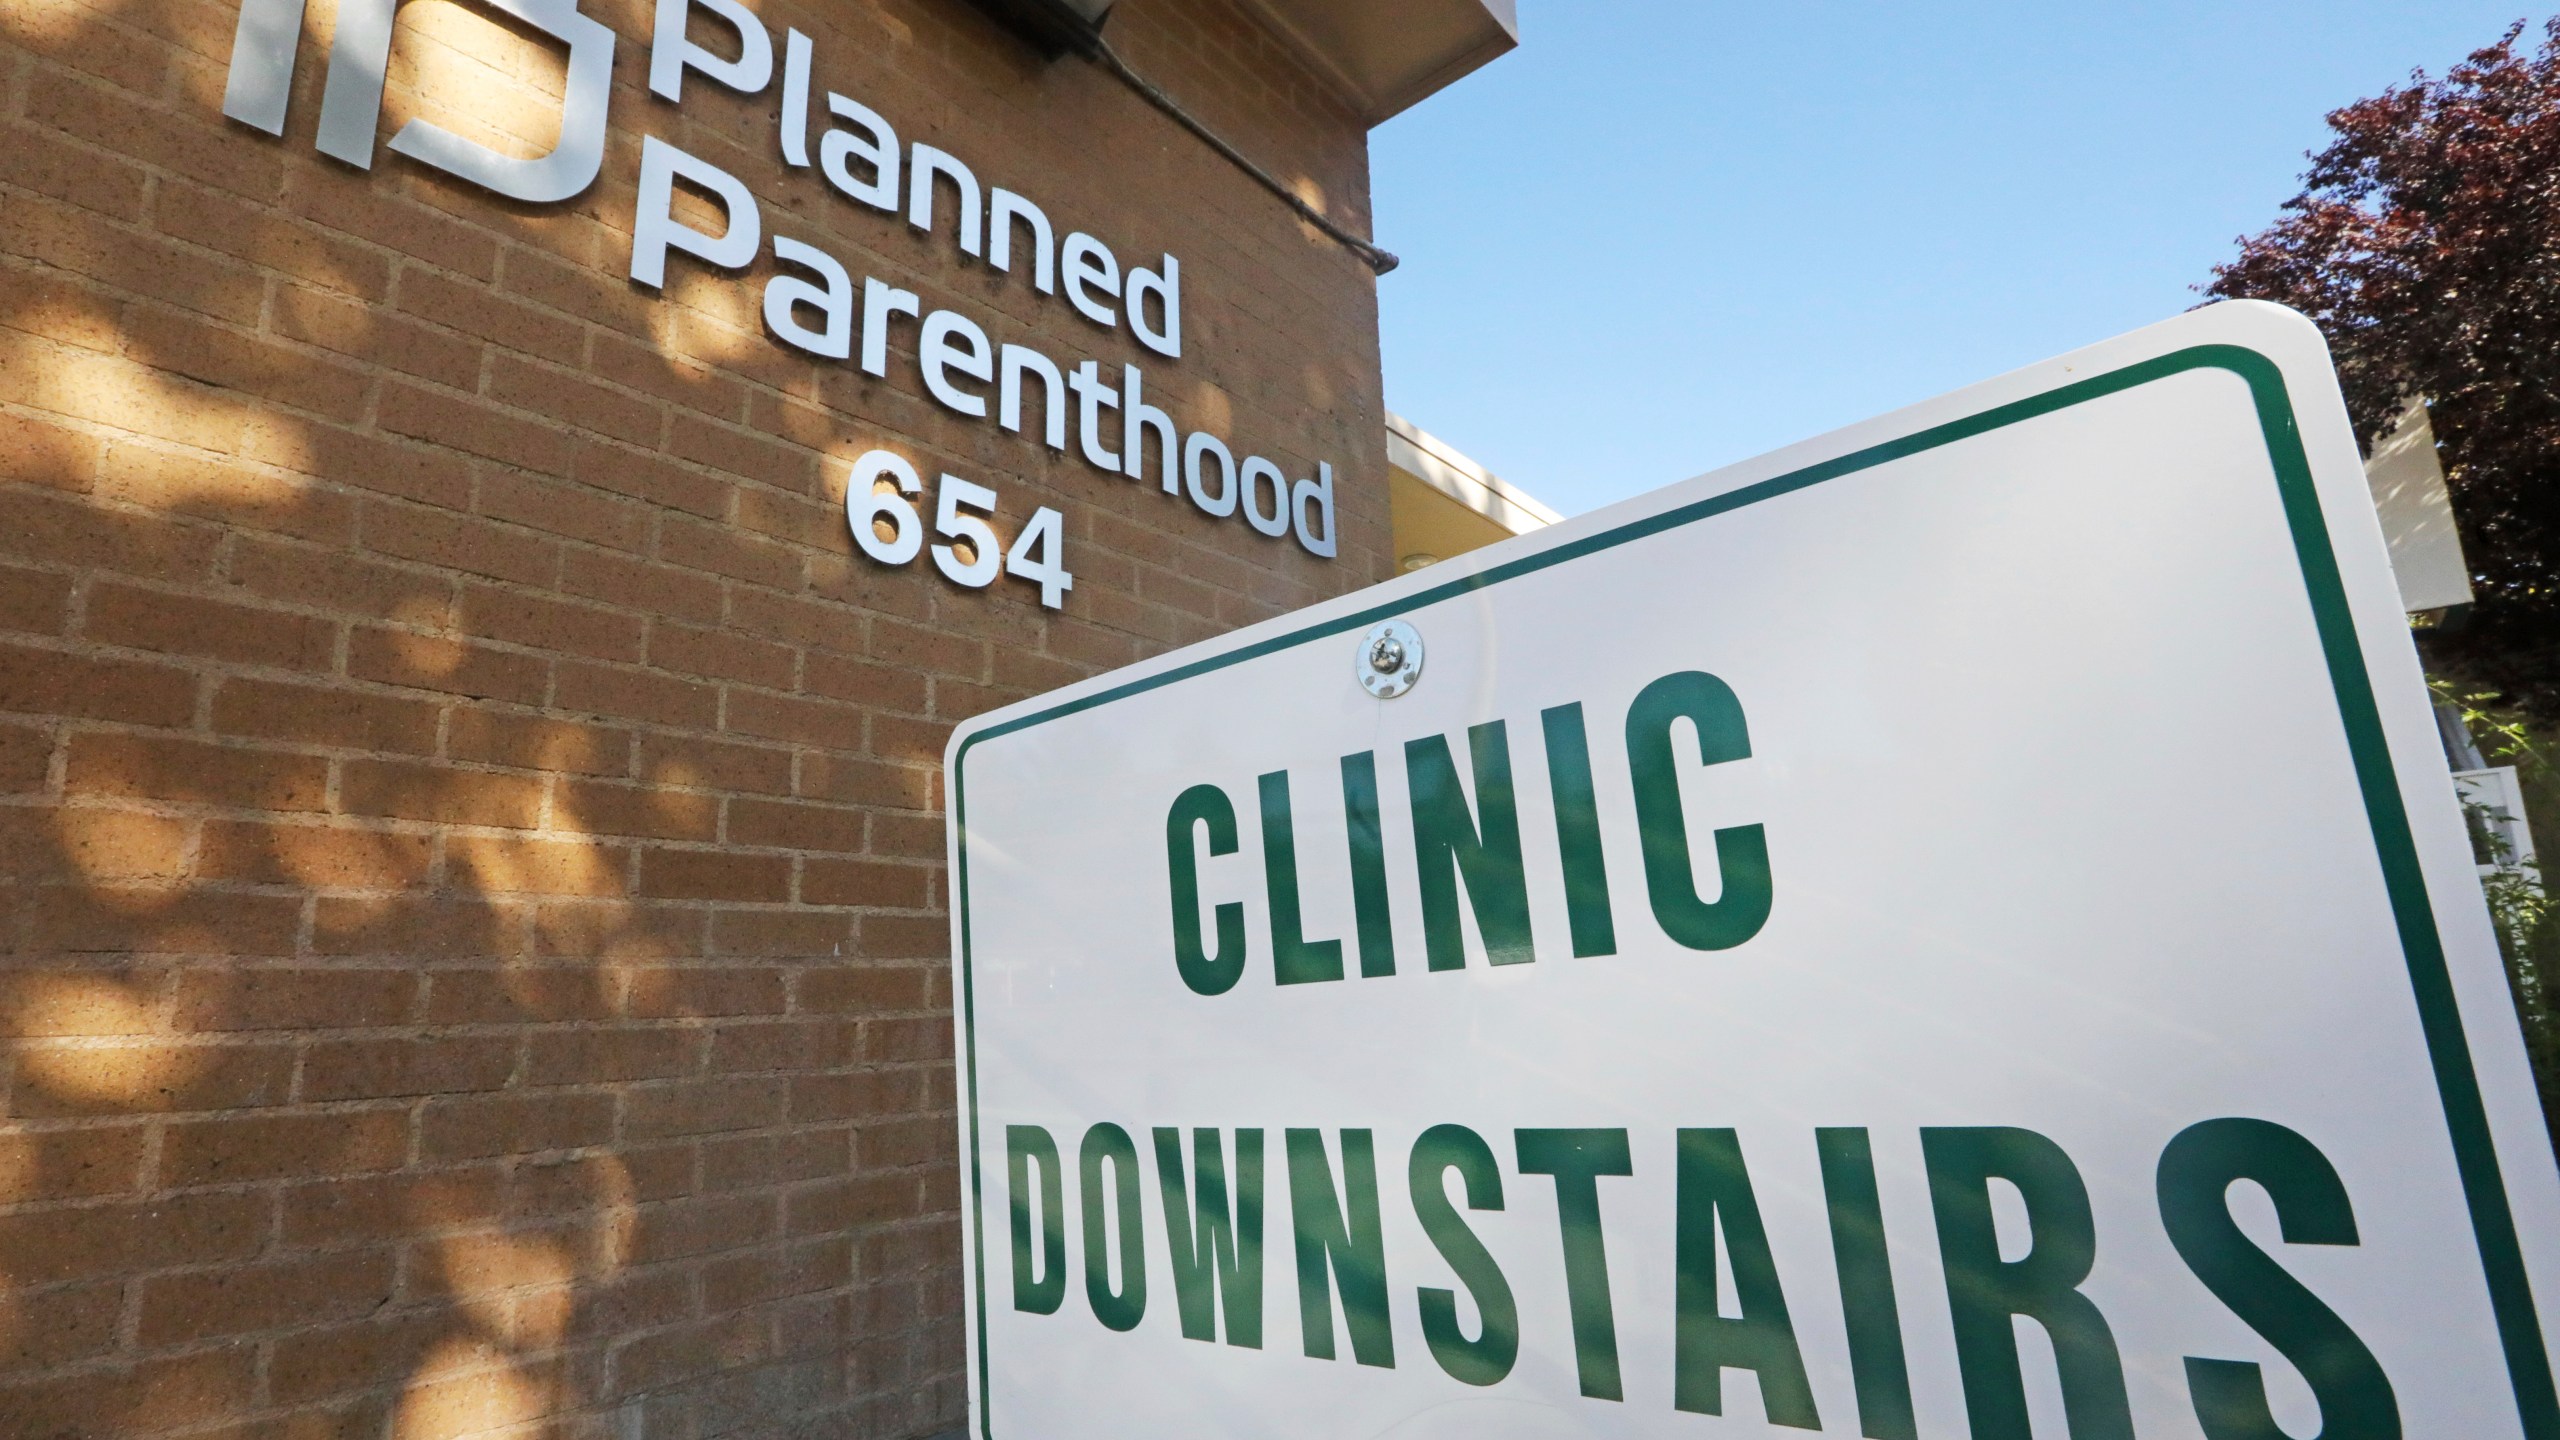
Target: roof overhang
[(1387, 56)]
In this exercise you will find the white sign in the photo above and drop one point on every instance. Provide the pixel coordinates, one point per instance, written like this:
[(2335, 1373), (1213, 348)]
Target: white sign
[(1958, 928)]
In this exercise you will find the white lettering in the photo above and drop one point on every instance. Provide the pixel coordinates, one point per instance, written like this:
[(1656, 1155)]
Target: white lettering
[(1089, 266), (672, 51), (655, 230), (937, 353)]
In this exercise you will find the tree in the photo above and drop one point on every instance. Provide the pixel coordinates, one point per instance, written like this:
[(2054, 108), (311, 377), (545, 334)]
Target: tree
[(2426, 244)]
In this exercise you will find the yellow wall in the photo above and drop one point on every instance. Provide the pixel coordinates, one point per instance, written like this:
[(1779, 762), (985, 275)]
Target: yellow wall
[(1429, 523)]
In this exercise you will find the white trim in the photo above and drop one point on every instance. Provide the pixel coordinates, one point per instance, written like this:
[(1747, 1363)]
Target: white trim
[(1438, 464)]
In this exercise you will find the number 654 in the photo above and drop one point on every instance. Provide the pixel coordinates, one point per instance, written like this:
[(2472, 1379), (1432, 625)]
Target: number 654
[(880, 506)]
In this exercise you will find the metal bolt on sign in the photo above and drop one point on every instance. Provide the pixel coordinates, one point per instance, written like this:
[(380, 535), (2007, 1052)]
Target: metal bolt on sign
[(1390, 659)]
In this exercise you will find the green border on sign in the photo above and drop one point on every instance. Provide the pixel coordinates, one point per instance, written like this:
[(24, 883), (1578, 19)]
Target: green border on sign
[(2457, 1085)]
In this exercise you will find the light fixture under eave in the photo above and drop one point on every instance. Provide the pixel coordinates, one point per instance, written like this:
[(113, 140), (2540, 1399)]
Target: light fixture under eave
[(1053, 27)]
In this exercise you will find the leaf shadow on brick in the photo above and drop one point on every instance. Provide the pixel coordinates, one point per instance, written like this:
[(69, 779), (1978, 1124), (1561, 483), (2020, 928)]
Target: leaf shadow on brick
[(471, 903)]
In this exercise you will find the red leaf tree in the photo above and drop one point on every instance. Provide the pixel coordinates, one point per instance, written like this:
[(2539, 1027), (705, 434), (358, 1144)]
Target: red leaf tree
[(2426, 243)]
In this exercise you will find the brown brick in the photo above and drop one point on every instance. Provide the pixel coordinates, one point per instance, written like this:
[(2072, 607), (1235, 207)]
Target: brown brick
[(48, 165), (116, 124), (575, 400), (854, 1095), (335, 580), (600, 1185), (324, 715), (157, 1395), (35, 451), (909, 648), (85, 1079), (762, 1161), (651, 368), (26, 755), (721, 550), (864, 989), (663, 590), (246, 363), (722, 655), (928, 1038), (856, 781), (52, 529), (588, 1056), (903, 1144), (440, 793), (241, 1299), (715, 764), (865, 882), (667, 992), (798, 519), (661, 814), (57, 1327), (455, 667), (352, 203), (195, 625), (107, 843), (72, 1163), (619, 693), (864, 682), (363, 332), (714, 875), (900, 937), (264, 999), (579, 290), (912, 837), (915, 742), (791, 825), (412, 926), (50, 682), (521, 992), (850, 1204), (33, 602), (529, 742), (522, 865), (572, 511), (136, 262), (156, 767), (321, 857), (700, 1107), (471, 1127), (735, 1283), (786, 1045), (655, 479), (474, 310), (247, 496), (263, 236), (338, 1359), (783, 717), (80, 1000), (613, 932), (466, 543), (387, 1207), (735, 451), (51, 1246), (680, 1229), (377, 1069), (380, 464), (538, 622), (271, 1147), (95, 917), (792, 933)]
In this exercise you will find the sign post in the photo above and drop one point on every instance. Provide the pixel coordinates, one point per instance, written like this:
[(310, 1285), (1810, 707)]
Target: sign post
[(1960, 927)]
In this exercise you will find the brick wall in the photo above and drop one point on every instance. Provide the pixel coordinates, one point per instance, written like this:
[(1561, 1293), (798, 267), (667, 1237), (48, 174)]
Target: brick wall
[(473, 958)]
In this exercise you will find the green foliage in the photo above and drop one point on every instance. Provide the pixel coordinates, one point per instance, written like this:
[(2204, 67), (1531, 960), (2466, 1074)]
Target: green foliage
[(2520, 904)]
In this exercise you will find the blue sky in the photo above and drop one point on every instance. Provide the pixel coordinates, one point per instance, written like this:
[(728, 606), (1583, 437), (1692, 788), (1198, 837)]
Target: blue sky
[(1664, 235)]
